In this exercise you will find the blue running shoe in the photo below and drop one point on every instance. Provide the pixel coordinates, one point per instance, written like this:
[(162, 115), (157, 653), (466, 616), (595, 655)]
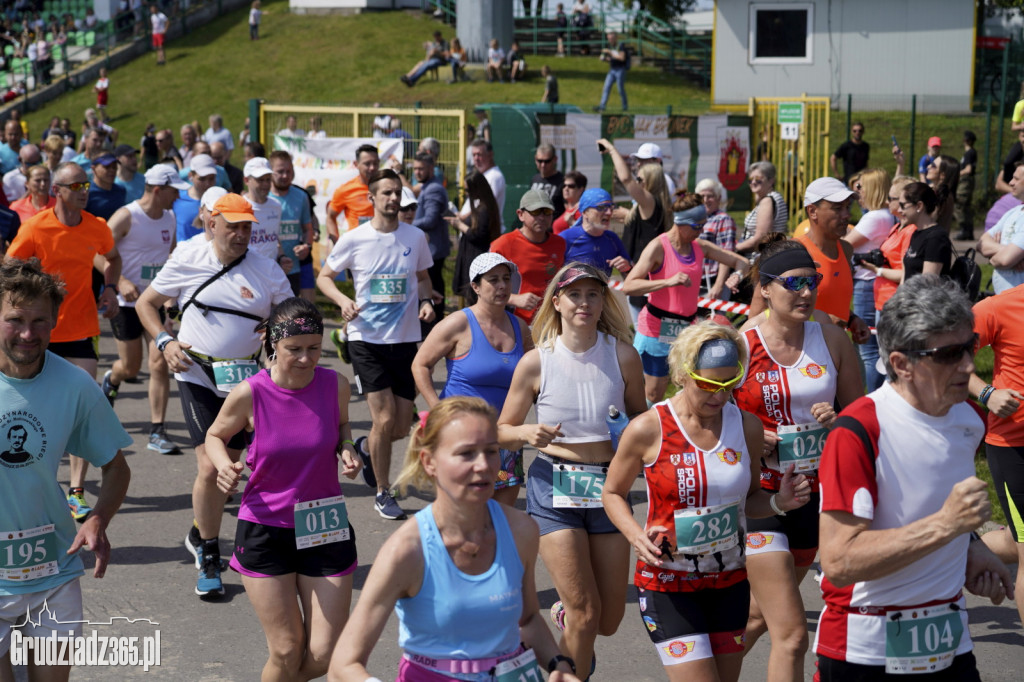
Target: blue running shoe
[(209, 585)]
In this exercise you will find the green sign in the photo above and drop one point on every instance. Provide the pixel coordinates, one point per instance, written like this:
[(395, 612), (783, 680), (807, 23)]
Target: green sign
[(791, 112)]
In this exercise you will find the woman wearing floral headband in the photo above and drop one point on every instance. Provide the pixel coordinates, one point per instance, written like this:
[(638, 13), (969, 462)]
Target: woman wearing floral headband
[(582, 364), (293, 537)]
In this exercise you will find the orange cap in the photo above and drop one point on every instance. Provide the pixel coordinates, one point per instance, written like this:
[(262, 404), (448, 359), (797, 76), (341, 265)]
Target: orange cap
[(235, 208)]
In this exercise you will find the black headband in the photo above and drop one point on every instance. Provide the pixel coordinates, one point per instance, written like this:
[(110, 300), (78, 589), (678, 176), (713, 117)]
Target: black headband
[(784, 261)]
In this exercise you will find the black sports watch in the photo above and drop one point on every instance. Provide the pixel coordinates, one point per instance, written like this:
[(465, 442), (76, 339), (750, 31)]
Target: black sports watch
[(555, 660)]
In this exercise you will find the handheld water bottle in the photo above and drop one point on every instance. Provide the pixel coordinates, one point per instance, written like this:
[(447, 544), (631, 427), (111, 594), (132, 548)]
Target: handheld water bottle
[(616, 425)]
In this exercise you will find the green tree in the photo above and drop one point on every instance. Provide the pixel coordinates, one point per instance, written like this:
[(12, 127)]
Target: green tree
[(666, 10)]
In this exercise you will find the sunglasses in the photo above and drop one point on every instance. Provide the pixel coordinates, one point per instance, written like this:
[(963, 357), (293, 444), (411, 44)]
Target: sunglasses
[(712, 386), (946, 355), (541, 211), (569, 186), (904, 204), (604, 208), (794, 283), (75, 186), (551, 160)]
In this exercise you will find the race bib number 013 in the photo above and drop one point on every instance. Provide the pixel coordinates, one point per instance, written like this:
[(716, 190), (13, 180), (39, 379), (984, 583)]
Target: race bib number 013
[(707, 530), (922, 640), (28, 554), (230, 373), (577, 486), (388, 288), (801, 444), (522, 668), (321, 522)]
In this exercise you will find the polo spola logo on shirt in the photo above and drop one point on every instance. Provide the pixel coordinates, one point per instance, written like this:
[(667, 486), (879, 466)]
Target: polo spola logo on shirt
[(813, 371), (729, 456), (678, 649), (758, 540), (675, 459)]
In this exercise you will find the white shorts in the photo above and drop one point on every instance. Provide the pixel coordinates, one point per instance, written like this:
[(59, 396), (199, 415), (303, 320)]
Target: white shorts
[(37, 614)]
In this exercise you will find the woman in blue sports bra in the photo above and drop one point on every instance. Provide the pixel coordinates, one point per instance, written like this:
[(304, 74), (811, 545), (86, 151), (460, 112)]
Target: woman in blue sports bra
[(464, 543), (482, 345)]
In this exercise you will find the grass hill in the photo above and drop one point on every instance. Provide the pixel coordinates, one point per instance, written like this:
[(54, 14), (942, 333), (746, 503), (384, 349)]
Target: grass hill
[(330, 60)]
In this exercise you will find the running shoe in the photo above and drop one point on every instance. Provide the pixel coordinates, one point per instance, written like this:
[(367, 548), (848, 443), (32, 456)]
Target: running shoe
[(209, 584), (194, 545), (387, 507), (369, 478), (108, 388), (79, 509), (159, 442), (340, 341), (558, 615)]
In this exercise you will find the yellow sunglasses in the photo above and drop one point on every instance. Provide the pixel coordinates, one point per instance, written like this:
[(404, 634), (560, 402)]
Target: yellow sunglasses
[(712, 386)]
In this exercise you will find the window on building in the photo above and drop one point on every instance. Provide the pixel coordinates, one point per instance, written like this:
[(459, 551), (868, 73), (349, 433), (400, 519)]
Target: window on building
[(781, 33)]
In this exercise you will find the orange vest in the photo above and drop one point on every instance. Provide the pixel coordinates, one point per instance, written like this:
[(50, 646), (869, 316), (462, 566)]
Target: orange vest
[(836, 290)]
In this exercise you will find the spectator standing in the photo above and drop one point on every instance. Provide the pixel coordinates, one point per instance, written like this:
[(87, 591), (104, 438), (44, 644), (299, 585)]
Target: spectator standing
[(476, 235), (218, 133), (430, 212), (1003, 245), (255, 16), (186, 149), (590, 241), (963, 209), (853, 152), (573, 186), (934, 150), (548, 178), (127, 172), (720, 230), (158, 23), (102, 90), (222, 157), (9, 149), (618, 58), (650, 153), (105, 196), (550, 85), (483, 161)]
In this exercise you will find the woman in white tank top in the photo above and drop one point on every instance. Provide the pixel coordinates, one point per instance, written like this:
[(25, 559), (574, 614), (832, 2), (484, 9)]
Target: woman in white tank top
[(583, 362)]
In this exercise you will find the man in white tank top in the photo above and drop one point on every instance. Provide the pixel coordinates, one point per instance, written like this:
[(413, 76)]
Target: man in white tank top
[(144, 234)]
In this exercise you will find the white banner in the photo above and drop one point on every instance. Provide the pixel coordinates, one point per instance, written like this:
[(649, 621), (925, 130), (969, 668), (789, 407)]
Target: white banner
[(328, 163)]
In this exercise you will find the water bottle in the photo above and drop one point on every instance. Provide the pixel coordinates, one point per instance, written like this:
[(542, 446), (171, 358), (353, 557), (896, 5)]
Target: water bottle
[(616, 425)]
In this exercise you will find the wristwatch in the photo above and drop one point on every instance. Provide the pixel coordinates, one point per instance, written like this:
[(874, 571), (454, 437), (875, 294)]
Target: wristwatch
[(555, 660), (162, 339)]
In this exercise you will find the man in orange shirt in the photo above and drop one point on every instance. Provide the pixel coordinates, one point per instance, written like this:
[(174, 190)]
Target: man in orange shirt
[(66, 240), (353, 197), (827, 202)]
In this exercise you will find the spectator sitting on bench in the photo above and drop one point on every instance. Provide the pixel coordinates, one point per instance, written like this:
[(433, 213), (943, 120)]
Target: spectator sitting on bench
[(495, 62), (437, 55), (516, 63), (457, 58)]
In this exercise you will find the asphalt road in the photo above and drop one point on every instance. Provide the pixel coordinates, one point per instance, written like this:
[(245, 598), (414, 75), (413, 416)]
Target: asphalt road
[(152, 577)]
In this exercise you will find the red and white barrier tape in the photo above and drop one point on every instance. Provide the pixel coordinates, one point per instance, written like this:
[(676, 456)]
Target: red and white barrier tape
[(706, 303)]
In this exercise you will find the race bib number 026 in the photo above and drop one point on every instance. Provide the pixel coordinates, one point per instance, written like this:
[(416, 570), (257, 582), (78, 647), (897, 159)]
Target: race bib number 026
[(801, 444)]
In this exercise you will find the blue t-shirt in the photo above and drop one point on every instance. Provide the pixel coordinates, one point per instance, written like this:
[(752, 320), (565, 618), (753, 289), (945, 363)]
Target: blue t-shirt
[(185, 211), (8, 159), (596, 251), (294, 214), (922, 165), (134, 188), (59, 410), (103, 203)]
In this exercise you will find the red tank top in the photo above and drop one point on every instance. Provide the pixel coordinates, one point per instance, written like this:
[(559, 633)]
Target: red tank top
[(686, 477)]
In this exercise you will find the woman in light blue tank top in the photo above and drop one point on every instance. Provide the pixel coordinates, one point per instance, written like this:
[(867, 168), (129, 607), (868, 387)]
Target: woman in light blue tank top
[(464, 543), (482, 345)]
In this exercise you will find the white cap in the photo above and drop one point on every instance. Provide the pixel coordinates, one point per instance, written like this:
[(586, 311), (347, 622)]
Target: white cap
[(162, 175), (203, 165), (489, 260), (212, 196), (648, 150), (408, 198), (826, 189), (256, 167)]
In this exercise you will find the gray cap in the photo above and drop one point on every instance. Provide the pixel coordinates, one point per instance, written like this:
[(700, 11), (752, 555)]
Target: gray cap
[(534, 199)]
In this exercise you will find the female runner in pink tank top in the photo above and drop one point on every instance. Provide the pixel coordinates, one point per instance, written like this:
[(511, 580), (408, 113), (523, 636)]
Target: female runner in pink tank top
[(293, 537)]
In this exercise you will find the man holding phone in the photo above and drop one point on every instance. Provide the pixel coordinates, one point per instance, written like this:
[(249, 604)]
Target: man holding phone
[(854, 154)]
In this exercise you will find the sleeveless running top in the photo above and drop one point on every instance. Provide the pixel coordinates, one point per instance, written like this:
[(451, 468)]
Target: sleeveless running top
[(145, 248), (686, 477), (784, 394), (780, 221), (293, 455), (836, 290), (678, 300), (484, 371), (577, 388), (483, 621)]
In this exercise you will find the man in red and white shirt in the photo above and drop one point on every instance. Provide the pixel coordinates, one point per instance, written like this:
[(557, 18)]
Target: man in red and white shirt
[(899, 499)]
